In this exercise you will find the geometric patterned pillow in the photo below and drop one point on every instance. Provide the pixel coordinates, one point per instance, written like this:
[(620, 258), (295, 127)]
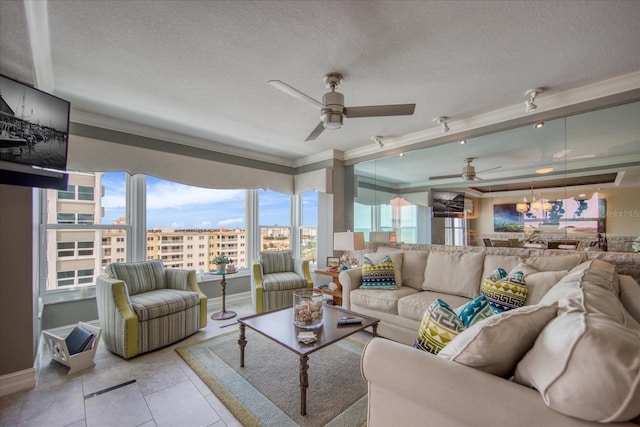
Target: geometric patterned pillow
[(440, 324), (378, 276), (474, 311), (505, 294)]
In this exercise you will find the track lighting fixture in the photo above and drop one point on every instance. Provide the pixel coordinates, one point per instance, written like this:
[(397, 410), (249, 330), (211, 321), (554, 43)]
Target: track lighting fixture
[(378, 140), (442, 121), (529, 105)]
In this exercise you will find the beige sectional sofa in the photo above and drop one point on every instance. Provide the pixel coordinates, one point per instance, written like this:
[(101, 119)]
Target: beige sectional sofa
[(572, 352)]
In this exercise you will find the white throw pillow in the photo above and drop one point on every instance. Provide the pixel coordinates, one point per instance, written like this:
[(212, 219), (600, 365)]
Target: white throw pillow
[(396, 259), (495, 345), (586, 366), (456, 273)]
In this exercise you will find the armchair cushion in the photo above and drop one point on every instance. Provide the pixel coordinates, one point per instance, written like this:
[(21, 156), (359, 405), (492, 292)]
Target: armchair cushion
[(154, 304), (139, 276), (283, 281), (276, 261)]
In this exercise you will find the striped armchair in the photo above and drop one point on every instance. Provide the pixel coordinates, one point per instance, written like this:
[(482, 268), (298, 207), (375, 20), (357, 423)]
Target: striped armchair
[(142, 306), (276, 275)]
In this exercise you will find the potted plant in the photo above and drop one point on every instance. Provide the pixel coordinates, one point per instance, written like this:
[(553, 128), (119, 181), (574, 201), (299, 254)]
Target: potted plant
[(221, 262)]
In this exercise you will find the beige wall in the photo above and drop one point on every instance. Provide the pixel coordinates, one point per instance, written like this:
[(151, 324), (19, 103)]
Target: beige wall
[(16, 281), (623, 210)]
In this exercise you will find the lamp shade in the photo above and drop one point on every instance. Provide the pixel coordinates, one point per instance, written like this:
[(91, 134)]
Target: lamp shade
[(348, 241), (522, 207)]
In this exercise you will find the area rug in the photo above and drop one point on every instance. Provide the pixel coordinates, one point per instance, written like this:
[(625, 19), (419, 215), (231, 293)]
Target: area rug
[(266, 392)]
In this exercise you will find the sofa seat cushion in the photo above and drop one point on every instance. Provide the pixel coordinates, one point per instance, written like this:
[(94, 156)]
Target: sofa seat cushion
[(413, 265), (414, 305), (163, 302), (139, 277), (283, 281), (455, 273), (383, 300)]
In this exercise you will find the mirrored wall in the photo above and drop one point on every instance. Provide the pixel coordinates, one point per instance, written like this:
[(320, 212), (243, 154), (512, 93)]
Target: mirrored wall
[(572, 180)]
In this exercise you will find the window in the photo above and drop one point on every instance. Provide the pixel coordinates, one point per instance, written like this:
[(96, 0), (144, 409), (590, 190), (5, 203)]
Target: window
[(454, 229), (274, 220), (216, 215), (309, 226), (82, 232)]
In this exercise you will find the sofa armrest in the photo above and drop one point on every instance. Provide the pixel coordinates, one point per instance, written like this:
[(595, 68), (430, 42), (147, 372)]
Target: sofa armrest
[(349, 279), (301, 267), (420, 386)]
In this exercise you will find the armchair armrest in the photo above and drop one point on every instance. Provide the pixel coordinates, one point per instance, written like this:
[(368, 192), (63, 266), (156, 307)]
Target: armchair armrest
[(301, 267), (114, 305), (257, 280), (349, 279), (185, 280)]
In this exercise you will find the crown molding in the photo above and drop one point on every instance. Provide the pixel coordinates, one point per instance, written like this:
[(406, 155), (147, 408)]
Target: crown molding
[(612, 90)]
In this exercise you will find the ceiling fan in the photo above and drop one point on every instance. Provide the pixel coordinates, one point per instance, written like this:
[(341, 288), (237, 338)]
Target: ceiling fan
[(468, 172), (332, 109)]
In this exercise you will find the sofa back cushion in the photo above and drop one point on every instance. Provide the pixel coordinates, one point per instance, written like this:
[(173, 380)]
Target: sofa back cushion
[(139, 277), (554, 262), (586, 362), (413, 265), (456, 273), (276, 261), (630, 296)]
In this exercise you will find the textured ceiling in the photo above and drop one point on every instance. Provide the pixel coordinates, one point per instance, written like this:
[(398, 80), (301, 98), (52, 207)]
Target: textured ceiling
[(195, 72)]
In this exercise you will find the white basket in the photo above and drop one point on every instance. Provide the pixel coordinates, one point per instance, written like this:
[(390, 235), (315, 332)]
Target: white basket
[(78, 361)]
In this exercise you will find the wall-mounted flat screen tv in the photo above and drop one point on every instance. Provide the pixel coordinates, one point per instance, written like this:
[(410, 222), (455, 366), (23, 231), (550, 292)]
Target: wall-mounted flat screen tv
[(34, 136)]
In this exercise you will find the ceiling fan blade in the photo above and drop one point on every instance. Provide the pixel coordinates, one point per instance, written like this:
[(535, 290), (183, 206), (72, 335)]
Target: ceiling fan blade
[(445, 176), (296, 93), (380, 110), (316, 132), (487, 170)]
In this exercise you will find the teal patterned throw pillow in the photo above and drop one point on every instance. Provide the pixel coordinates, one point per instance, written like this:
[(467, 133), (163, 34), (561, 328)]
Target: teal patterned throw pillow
[(474, 311)]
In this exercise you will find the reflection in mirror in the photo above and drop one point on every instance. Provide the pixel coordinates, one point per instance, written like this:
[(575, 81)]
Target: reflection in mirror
[(573, 179)]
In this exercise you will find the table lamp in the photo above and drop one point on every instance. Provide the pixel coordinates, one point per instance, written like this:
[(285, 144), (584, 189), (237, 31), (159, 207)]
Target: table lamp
[(348, 241)]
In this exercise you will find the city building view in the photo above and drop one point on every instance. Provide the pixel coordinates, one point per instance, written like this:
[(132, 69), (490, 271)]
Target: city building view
[(80, 245)]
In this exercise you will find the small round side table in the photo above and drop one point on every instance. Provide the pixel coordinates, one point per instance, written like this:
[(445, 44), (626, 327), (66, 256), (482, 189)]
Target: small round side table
[(224, 314)]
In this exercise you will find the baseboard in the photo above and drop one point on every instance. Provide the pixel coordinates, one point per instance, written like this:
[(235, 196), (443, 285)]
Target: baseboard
[(17, 381)]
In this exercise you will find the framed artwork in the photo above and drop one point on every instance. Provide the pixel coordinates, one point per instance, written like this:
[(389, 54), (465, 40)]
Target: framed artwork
[(561, 216), (447, 204), (333, 261)]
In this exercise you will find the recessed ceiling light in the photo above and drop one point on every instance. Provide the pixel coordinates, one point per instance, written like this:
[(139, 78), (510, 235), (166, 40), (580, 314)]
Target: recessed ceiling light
[(544, 170), (401, 154), (538, 125), (462, 141), (582, 195)]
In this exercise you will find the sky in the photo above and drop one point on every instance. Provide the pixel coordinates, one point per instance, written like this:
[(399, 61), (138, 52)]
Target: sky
[(170, 204)]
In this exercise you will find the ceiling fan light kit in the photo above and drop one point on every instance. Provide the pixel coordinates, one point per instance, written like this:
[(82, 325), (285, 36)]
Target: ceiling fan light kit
[(332, 109)]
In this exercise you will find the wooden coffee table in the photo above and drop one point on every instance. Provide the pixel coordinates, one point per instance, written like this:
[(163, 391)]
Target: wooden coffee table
[(278, 326)]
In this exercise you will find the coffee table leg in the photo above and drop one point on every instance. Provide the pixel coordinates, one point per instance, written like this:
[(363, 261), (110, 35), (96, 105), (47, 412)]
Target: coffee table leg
[(374, 330), (304, 383), (242, 341)]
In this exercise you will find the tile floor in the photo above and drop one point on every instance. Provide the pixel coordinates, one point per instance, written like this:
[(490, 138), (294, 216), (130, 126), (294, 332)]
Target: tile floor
[(166, 392)]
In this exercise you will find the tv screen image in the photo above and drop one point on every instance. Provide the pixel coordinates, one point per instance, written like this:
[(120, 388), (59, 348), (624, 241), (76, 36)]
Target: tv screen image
[(34, 134)]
